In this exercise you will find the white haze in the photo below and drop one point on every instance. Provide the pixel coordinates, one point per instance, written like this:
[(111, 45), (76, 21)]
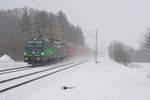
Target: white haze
[(123, 20)]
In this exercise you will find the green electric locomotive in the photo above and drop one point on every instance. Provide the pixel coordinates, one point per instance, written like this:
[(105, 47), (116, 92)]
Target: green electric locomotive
[(39, 50)]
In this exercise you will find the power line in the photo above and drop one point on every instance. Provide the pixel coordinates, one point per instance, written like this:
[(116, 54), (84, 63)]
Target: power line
[(40, 5), (91, 35), (37, 4), (44, 4)]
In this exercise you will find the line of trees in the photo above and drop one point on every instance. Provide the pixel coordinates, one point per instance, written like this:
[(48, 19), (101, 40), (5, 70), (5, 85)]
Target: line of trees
[(16, 25)]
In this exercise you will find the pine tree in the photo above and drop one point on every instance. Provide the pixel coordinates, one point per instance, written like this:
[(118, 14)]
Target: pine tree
[(25, 22)]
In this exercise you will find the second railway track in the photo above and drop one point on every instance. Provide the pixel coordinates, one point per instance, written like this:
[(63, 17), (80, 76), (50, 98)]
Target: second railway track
[(11, 70)]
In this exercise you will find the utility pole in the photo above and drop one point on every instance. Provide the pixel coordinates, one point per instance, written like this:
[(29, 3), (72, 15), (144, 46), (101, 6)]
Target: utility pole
[(96, 47)]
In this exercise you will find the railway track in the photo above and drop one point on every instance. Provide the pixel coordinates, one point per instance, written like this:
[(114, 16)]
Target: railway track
[(14, 82), (11, 70), (17, 69)]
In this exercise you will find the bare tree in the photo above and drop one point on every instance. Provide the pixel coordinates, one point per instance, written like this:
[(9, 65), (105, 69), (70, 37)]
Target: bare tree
[(146, 41)]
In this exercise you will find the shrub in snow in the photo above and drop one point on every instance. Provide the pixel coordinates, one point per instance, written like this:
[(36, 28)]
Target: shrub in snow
[(118, 52)]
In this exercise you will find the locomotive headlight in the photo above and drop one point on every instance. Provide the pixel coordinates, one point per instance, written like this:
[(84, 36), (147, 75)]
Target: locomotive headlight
[(25, 53), (42, 53), (35, 39)]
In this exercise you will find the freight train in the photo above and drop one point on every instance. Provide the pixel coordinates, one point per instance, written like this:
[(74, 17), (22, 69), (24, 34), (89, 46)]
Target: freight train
[(40, 50)]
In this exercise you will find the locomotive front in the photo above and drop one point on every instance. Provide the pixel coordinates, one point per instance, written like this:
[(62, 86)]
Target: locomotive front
[(34, 51)]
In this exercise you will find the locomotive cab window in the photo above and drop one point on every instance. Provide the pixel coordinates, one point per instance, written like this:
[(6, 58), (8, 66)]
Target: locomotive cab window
[(37, 44)]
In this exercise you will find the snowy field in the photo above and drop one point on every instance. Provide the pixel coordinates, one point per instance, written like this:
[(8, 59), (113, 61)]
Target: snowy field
[(103, 81)]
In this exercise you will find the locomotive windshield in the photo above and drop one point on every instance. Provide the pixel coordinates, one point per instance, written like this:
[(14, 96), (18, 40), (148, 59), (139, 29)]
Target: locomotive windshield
[(34, 44)]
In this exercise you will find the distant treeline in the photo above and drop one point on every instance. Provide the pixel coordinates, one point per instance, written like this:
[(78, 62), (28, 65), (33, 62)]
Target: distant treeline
[(125, 54), (16, 25)]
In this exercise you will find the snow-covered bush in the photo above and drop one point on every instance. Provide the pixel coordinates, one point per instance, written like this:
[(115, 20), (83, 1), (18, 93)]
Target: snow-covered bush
[(119, 52)]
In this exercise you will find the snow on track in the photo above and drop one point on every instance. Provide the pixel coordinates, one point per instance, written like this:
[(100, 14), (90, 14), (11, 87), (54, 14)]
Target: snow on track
[(9, 94), (33, 76), (33, 70)]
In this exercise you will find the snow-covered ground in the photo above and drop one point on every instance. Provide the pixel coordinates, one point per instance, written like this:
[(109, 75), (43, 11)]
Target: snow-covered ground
[(102, 81)]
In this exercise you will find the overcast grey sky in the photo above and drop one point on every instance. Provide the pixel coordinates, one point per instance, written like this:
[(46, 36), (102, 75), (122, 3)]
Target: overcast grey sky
[(123, 20)]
